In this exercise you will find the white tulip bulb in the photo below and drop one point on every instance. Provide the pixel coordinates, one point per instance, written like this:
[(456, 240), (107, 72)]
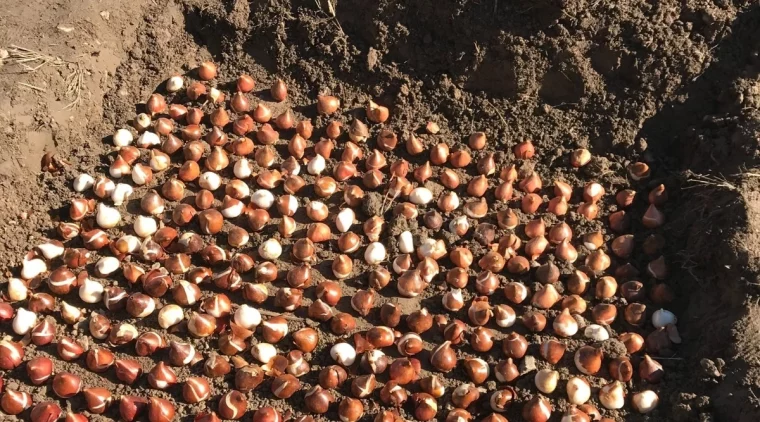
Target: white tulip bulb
[(343, 353), (107, 217), (91, 291), (32, 267), (406, 242), (263, 352), (148, 139), (121, 193), (17, 289), (24, 321), (210, 181), (83, 182), (316, 165), (375, 253), (263, 199), (174, 83), (345, 219), (420, 196), (107, 265), (122, 138), (145, 226), (270, 249), (242, 169), (662, 317), (247, 317)]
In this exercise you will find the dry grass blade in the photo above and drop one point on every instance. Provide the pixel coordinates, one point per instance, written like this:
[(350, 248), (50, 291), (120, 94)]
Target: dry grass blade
[(501, 116), (32, 61), (701, 180), (35, 88), (329, 6), (74, 83)]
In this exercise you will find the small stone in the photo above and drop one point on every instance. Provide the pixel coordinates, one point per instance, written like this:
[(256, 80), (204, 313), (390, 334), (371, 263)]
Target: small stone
[(527, 365), (709, 368)]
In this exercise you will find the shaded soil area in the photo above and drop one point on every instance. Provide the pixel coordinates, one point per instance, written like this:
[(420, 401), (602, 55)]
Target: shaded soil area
[(673, 84)]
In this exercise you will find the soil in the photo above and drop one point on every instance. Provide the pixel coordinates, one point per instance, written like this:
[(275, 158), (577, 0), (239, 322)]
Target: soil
[(673, 84)]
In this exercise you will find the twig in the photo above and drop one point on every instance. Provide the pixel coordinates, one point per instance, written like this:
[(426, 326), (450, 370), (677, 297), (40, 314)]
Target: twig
[(36, 88), (497, 112), (658, 358)]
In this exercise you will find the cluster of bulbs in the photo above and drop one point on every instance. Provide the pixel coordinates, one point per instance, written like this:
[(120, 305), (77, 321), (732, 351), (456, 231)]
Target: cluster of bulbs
[(221, 174)]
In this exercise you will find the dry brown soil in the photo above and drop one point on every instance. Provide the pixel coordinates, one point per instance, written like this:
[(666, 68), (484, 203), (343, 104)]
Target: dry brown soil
[(672, 83)]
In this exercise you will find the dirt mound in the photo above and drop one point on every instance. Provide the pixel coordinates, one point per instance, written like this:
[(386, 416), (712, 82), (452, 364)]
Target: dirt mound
[(674, 84)]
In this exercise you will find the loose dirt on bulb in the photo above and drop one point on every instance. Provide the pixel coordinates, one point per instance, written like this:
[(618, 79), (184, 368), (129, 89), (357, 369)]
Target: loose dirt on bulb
[(674, 84)]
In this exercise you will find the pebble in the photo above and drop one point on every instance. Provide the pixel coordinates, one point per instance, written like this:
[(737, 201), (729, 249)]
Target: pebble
[(527, 365), (709, 368)]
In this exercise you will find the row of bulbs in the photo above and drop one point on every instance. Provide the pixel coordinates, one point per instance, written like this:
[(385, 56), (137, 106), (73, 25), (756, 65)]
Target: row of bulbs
[(411, 282)]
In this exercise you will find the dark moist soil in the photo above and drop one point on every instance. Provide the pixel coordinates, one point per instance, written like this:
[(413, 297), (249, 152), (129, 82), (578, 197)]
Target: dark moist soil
[(674, 84)]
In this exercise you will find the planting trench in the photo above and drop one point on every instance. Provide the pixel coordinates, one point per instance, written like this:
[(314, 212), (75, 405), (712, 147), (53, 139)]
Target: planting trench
[(673, 84)]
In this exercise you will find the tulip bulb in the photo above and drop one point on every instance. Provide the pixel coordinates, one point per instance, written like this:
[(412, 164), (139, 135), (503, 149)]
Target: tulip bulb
[(174, 84), (170, 315), (420, 196), (546, 380), (107, 217), (144, 226), (122, 138), (247, 317), (17, 290), (24, 321), (662, 318), (242, 169), (343, 353), (565, 325), (210, 181), (121, 193), (83, 182), (504, 315), (270, 249), (612, 395), (645, 401), (345, 219), (375, 253), (316, 165), (578, 391), (459, 225), (406, 242), (596, 332), (91, 291), (32, 266)]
